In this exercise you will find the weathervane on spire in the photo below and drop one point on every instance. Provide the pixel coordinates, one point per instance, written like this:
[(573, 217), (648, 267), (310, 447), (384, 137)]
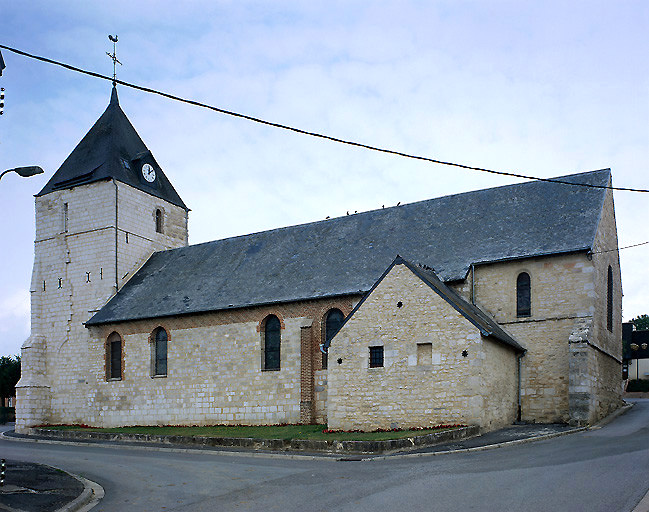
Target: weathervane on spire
[(113, 56)]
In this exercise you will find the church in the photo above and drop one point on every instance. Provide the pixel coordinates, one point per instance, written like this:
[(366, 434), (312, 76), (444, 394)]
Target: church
[(481, 308)]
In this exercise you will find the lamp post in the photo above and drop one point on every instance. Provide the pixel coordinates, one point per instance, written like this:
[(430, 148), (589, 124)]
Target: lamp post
[(25, 172)]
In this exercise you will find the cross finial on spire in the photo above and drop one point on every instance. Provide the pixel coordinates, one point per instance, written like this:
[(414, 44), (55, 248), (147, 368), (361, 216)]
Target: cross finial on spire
[(113, 56)]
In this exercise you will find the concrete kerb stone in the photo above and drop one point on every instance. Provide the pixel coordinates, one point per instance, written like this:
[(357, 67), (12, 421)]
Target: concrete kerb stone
[(612, 416), (90, 496), (485, 447)]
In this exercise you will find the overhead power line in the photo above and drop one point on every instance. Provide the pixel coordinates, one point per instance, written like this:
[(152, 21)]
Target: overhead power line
[(622, 248), (310, 133)]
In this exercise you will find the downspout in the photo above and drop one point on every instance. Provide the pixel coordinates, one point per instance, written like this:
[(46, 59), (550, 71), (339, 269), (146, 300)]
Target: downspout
[(518, 360), (472, 284), (116, 235)]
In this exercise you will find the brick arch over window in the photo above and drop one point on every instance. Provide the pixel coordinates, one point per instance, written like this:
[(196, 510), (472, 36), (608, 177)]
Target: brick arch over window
[(332, 321), (523, 295), (114, 357), (159, 340), (271, 340), (609, 299)]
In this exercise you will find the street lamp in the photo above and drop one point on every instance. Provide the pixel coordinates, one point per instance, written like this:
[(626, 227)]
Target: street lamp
[(25, 172)]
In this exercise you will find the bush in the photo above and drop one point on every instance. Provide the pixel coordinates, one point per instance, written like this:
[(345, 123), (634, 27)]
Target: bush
[(641, 385), (7, 414)]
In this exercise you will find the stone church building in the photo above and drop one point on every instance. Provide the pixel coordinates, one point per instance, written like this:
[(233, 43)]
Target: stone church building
[(477, 308)]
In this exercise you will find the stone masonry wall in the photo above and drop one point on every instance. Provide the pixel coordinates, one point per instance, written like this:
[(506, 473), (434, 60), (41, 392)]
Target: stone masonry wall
[(562, 294), (76, 270), (596, 352), (214, 373), (425, 380)]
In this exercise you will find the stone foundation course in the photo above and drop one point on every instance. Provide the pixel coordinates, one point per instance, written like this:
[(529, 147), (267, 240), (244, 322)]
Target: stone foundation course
[(307, 445)]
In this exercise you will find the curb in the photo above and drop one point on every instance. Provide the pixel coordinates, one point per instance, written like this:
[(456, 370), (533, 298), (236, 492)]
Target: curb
[(612, 416), (331, 447), (485, 447), (643, 504), (90, 496)]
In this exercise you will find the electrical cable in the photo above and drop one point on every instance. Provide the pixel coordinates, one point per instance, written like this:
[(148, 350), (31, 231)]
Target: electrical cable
[(309, 133)]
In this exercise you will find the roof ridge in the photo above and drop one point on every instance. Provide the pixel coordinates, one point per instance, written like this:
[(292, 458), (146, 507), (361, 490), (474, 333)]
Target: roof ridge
[(386, 209)]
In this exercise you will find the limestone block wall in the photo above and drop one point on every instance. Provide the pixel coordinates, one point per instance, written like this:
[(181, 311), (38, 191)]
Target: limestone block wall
[(605, 255), (214, 373), (33, 408), (425, 379), (562, 296), (601, 379), (320, 396), (78, 264)]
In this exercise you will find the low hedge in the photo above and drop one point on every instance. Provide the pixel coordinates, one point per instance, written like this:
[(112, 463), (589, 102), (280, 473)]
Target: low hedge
[(7, 414), (641, 385)]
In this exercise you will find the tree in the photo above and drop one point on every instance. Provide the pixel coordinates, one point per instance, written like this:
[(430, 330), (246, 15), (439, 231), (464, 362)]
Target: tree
[(641, 322), (9, 375)]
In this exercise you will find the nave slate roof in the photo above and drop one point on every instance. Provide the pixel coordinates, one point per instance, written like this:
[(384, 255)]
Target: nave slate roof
[(348, 254), (112, 149)]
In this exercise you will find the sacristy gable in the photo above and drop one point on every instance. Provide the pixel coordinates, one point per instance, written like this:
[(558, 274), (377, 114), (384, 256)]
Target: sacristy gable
[(408, 300)]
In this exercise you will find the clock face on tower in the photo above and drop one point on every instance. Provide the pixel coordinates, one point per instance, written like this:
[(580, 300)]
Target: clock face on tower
[(148, 172)]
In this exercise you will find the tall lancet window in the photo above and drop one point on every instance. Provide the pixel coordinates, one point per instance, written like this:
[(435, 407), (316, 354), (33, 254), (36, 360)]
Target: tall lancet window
[(333, 322), (609, 300), (159, 221), (271, 344), (160, 339), (523, 295), (114, 357)]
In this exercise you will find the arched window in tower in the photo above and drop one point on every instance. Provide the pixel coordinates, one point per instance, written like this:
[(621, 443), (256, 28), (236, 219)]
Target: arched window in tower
[(609, 300), (114, 357), (333, 321), (159, 220), (271, 343), (159, 352), (523, 295)]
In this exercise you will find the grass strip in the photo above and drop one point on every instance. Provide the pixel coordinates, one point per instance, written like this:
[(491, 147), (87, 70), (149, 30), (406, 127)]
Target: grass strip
[(286, 432)]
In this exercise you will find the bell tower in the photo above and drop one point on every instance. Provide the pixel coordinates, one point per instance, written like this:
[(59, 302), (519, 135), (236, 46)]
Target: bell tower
[(99, 218)]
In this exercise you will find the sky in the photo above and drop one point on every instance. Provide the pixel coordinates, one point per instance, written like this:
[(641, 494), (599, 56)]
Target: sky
[(543, 89)]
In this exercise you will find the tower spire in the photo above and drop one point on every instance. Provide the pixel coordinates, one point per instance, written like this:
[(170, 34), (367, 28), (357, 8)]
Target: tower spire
[(113, 57)]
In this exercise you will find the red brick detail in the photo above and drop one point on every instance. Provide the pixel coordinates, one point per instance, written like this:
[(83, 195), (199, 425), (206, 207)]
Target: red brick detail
[(307, 407)]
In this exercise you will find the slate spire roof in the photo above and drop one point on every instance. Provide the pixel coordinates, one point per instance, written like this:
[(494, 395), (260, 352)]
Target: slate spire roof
[(112, 149), (346, 255)]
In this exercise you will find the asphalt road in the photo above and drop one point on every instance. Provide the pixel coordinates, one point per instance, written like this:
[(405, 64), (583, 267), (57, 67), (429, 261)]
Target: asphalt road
[(599, 470)]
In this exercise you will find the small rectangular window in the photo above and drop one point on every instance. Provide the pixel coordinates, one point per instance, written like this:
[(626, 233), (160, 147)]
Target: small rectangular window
[(376, 357), (65, 217), (424, 354)]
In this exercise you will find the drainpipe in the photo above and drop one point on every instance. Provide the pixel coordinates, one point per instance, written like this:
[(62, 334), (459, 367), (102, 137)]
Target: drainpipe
[(116, 235), (472, 284), (518, 360)]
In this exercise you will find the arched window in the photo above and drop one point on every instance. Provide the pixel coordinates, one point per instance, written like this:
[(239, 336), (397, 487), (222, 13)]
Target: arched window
[(272, 341), (523, 295), (159, 352), (114, 357), (333, 322), (609, 300), (159, 220)]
